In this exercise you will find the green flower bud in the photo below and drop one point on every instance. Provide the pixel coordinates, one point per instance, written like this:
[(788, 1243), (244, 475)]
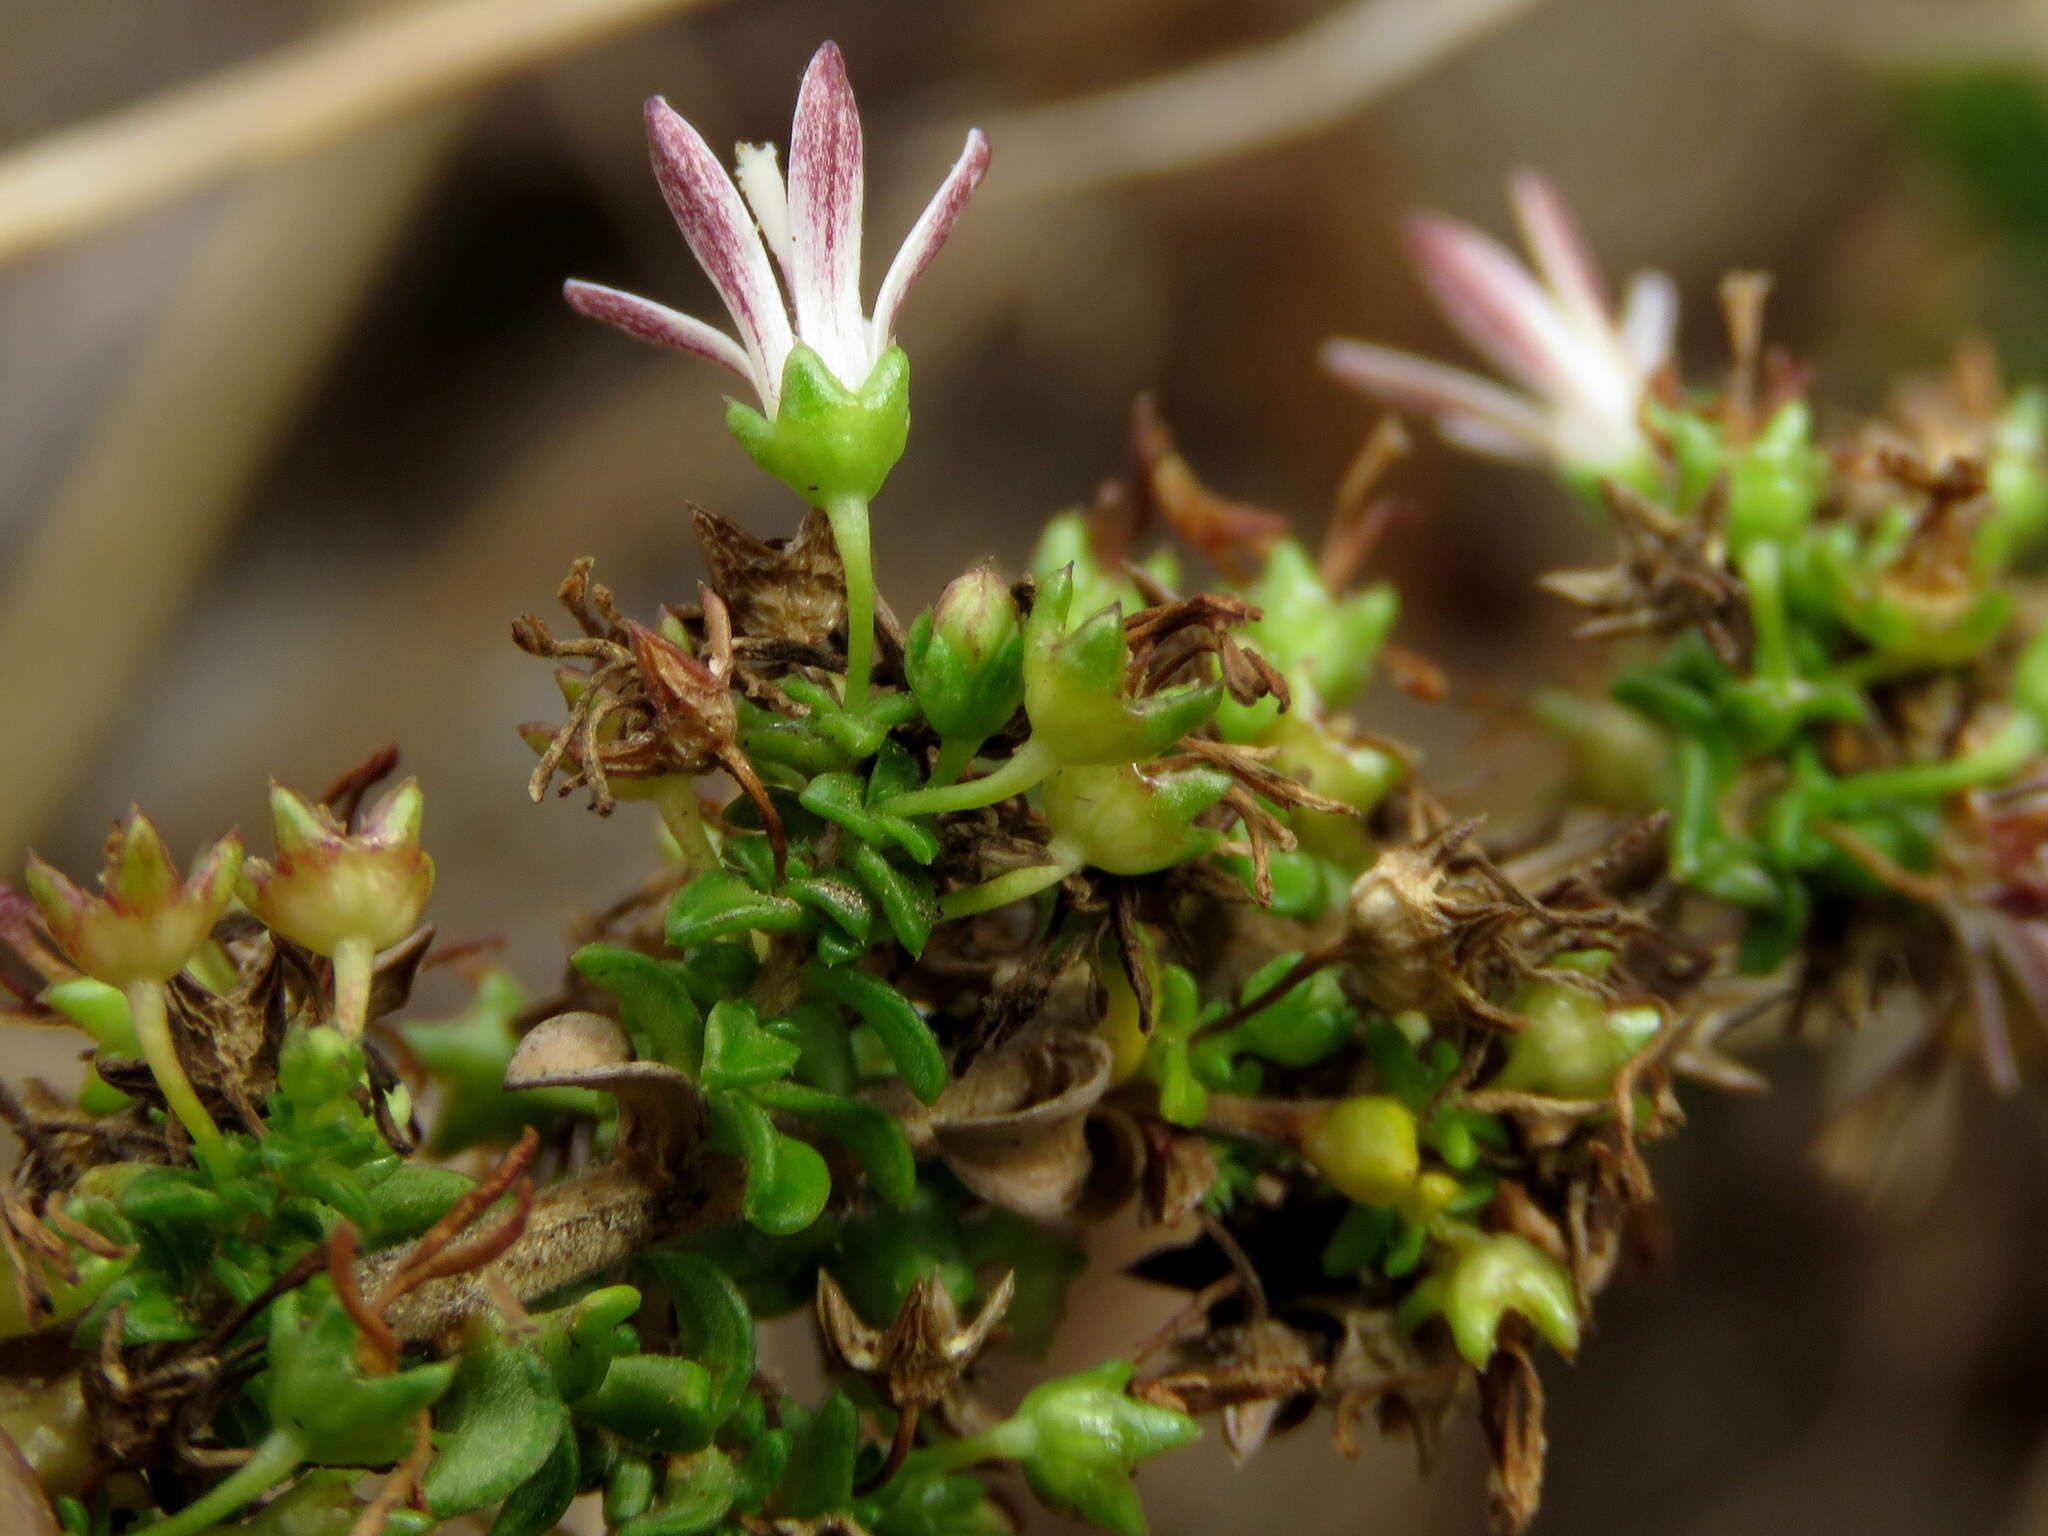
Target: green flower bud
[(329, 887), (1126, 822), (1079, 1438), (1068, 541), (830, 443), (964, 657), (147, 923), (1322, 642), (1775, 480), (1483, 1277), (1575, 1042), (1074, 687), (1366, 1147)]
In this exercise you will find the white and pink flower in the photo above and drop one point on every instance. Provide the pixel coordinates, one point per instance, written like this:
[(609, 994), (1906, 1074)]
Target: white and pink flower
[(1583, 370), (811, 226)]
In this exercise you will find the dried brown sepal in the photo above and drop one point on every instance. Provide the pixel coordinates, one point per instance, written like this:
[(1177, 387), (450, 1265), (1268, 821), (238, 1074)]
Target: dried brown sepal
[(1511, 1415), (1672, 576), (1249, 1374), (644, 708), (1380, 1365), (344, 797), (1170, 640), (1180, 1169), (926, 1348), (791, 590), (1359, 519)]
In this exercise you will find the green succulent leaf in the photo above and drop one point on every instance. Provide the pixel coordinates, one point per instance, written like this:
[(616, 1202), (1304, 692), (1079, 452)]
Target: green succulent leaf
[(537, 1505), (873, 1137), (787, 1181), (719, 902), (500, 1423), (739, 1052), (909, 1040), (659, 1401), (821, 1456), (656, 1005), (908, 902), (713, 1321)]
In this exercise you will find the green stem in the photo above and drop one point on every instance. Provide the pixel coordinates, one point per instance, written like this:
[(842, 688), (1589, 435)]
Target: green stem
[(676, 798), (1010, 1440), (955, 754), (354, 959), (849, 519), (1763, 574), (1999, 758), (1016, 885), (269, 1464), (153, 1033), (1024, 768)]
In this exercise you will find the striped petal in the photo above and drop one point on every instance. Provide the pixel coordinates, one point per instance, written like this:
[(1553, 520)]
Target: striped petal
[(926, 236), (1499, 308), (1473, 412), (645, 320), (715, 223), (825, 196), (1562, 258)]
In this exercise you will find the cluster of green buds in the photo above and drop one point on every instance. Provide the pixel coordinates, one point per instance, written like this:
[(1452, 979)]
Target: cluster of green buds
[(1324, 642), (1092, 743)]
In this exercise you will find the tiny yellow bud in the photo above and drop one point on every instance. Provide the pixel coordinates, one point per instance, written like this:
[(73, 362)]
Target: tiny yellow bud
[(1366, 1147)]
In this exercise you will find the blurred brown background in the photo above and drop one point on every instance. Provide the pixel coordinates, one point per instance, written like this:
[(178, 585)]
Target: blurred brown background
[(294, 422)]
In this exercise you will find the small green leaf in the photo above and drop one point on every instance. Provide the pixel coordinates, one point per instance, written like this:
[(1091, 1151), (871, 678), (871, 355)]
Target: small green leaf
[(655, 1004), (654, 1400), (698, 1491), (873, 1137), (714, 1323), (628, 1489), (845, 905), (842, 798), (739, 1052), (719, 902), (906, 898), (537, 1505), (909, 1040), (787, 1181), (319, 1394), (762, 1469), (821, 1454), (412, 1199), (501, 1422), (578, 1342)]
